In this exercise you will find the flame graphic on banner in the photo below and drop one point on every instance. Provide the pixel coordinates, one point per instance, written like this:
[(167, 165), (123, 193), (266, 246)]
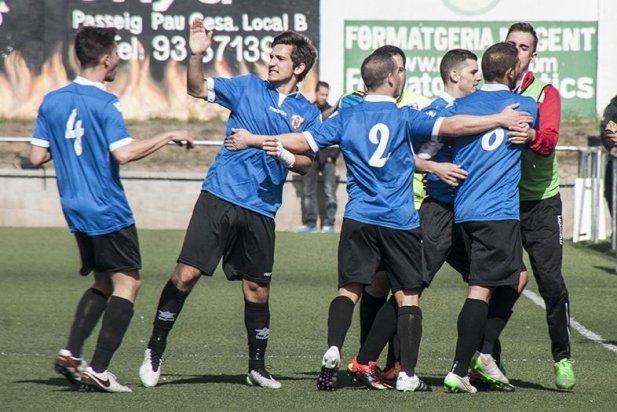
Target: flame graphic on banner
[(141, 96)]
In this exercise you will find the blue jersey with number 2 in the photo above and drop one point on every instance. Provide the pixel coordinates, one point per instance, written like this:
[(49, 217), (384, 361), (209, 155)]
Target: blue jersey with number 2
[(376, 139)]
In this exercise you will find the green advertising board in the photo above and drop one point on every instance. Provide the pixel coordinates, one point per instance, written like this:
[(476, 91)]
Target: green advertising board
[(567, 54)]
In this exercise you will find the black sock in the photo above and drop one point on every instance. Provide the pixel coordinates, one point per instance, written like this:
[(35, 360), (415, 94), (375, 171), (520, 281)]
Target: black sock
[(170, 304), (471, 324), (394, 352), (409, 331), (115, 323), (383, 329), (89, 310), (369, 306), (339, 320), (499, 312), (257, 322)]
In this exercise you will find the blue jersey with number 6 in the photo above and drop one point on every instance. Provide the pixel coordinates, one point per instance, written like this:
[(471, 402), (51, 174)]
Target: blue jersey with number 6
[(81, 124), (490, 191), (376, 137)]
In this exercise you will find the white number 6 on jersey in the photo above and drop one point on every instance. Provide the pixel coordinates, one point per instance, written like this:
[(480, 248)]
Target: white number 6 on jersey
[(489, 143), (379, 135)]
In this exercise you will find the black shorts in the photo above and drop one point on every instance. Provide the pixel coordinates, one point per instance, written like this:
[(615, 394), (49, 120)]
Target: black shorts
[(542, 233), (495, 250), (243, 238), (363, 248), (114, 252), (441, 238)]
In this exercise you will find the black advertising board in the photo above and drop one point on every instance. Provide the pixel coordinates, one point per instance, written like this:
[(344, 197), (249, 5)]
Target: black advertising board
[(36, 47)]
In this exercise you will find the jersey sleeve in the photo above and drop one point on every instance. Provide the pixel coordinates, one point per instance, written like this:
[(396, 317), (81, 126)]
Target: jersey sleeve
[(421, 126), (116, 133), (40, 136), (325, 134), (228, 91), (548, 119), (313, 122)]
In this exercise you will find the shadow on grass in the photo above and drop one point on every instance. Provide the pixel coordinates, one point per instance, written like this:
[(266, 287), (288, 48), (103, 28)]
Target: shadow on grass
[(343, 380), (609, 270), (176, 379), (58, 382)]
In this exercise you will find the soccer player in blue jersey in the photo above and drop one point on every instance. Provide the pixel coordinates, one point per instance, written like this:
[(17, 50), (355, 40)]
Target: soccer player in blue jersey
[(234, 215), (541, 219), (80, 127), (486, 205), (460, 75), (381, 225)]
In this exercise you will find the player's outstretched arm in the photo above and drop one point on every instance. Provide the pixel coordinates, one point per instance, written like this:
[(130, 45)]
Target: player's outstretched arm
[(242, 138), (138, 149), (465, 125), (199, 41)]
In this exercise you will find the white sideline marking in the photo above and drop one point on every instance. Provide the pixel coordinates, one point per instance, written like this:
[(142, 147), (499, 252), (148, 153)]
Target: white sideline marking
[(535, 298)]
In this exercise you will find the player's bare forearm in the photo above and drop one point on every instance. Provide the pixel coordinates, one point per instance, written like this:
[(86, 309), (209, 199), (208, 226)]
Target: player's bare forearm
[(39, 155), (195, 83), (302, 164), (465, 125), (138, 149)]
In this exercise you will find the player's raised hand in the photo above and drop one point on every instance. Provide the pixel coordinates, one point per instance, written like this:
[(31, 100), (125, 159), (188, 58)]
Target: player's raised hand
[(200, 38), (512, 118)]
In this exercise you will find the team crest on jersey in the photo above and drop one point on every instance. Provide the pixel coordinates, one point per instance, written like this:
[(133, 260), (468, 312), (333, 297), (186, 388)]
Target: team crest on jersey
[(296, 121)]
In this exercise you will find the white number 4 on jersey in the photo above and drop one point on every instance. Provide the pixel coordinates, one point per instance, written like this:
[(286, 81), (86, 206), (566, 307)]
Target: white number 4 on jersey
[(74, 131)]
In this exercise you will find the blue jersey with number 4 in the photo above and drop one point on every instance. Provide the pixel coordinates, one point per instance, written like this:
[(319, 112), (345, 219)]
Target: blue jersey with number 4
[(250, 178), (81, 124), (376, 137), (490, 191)]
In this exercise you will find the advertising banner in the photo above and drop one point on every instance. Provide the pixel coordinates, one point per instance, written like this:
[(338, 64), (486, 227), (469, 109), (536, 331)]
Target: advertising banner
[(36, 39), (567, 54)]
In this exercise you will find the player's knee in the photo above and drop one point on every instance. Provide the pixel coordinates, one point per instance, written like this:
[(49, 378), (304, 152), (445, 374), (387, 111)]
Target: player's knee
[(185, 277), (256, 292)]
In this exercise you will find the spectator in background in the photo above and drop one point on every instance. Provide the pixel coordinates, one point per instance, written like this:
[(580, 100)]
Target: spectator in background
[(325, 162), (608, 132)]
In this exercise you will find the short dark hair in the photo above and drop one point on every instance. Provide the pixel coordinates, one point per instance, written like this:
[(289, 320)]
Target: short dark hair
[(452, 60), (322, 84), (497, 59), (93, 42), (526, 28), (303, 50), (376, 68), (390, 50)]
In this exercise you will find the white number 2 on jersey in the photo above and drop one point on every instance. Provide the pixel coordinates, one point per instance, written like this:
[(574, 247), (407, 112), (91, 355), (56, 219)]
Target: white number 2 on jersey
[(74, 131), (379, 135), (489, 143)]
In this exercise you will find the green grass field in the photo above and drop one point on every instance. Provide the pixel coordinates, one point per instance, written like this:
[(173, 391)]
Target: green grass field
[(206, 358)]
